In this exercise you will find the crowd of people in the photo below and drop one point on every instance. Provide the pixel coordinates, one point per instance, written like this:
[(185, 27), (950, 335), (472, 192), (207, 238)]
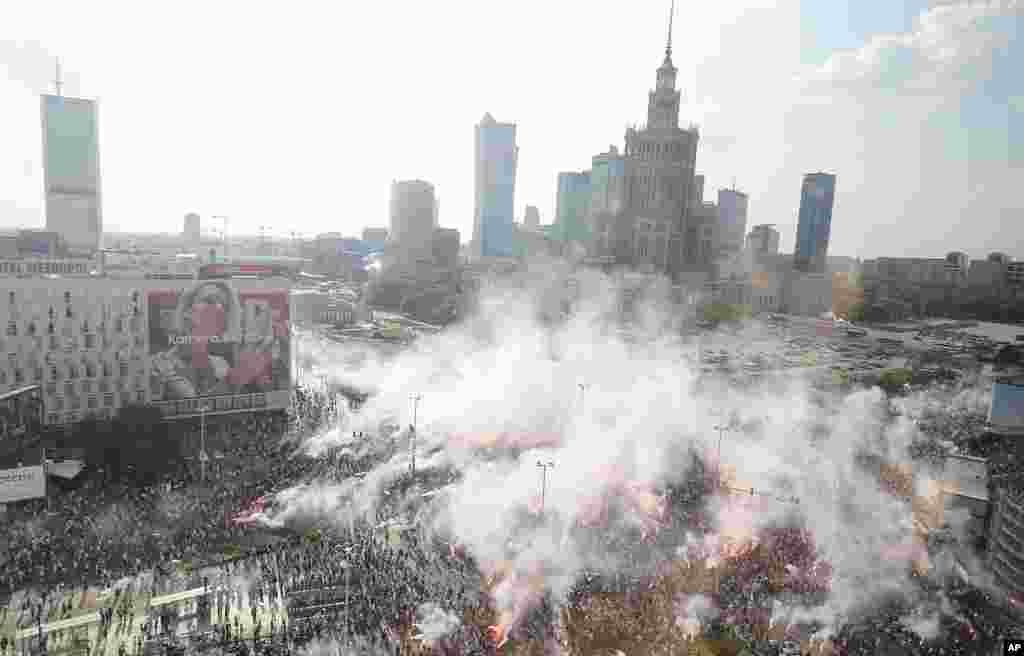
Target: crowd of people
[(357, 585)]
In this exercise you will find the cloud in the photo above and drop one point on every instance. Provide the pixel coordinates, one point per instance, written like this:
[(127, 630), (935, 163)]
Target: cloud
[(946, 42)]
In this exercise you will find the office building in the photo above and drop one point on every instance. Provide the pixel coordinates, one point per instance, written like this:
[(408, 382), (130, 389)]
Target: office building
[(1006, 538), (94, 345), (572, 206), (732, 219), (71, 172), (817, 198), (413, 212), (496, 158)]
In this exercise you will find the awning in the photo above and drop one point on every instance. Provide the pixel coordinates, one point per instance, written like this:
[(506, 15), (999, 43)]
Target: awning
[(66, 469)]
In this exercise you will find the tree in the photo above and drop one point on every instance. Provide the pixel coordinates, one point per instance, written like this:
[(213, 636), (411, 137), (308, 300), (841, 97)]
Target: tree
[(895, 379), (856, 312), (724, 312)]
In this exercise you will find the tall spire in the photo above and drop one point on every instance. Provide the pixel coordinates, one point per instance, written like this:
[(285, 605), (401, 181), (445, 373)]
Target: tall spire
[(671, 15)]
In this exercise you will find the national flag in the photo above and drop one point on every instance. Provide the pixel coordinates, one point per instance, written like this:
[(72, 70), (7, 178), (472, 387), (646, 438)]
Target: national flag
[(824, 328)]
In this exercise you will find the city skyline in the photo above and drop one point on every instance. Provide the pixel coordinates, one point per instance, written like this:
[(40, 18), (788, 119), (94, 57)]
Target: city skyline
[(912, 107)]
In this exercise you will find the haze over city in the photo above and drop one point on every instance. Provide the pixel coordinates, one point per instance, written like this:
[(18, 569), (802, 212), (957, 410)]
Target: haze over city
[(298, 119)]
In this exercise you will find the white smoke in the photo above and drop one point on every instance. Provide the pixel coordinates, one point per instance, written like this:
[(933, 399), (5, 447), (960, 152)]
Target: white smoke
[(619, 410), (434, 623)]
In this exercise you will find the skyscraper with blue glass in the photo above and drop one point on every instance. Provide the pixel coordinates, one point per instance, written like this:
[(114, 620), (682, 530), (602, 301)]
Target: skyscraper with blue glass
[(496, 158), (812, 233)]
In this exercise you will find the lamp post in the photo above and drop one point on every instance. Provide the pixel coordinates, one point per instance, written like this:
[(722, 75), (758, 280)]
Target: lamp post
[(722, 429), (543, 466), (202, 440), (583, 393), (412, 432)]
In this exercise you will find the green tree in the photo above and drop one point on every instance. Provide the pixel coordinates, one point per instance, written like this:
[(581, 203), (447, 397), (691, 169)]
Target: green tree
[(894, 379), (724, 312), (856, 312)]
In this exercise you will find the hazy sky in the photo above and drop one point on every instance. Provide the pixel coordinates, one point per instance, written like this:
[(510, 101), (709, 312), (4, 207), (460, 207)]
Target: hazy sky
[(297, 116)]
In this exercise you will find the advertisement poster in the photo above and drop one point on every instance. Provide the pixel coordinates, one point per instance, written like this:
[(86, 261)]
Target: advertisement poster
[(212, 339), (21, 484)]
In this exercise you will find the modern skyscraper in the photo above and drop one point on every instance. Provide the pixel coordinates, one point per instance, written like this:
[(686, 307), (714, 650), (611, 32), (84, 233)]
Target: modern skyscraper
[(732, 219), (496, 158), (817, 198), (71, 171), (572, 206)]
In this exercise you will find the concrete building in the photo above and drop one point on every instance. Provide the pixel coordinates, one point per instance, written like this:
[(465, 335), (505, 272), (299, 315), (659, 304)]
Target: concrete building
[(817, 198), (496, 159), (641, 201), (413, 212), (90, 344), (531, 218), (732, 219), (191, 232), (763, 240), (1006, 539)]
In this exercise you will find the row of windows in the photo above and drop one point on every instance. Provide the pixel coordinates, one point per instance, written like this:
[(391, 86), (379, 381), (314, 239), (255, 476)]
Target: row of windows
[(119, 325), (44, 268), (95, 401), (20, 376)]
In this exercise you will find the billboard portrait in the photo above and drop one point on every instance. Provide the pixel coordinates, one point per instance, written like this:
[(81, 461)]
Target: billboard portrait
[(22, 483), (211, 339)]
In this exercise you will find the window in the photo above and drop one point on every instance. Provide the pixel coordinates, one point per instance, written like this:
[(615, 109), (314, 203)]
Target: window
[(106, 369), (76, 403), (93, 402), (72, 371), (58, 403), (54, 342), (19, 376), (51, 388), (10, 297), (108, 399), (52, 418), (140, 396), (126, 398), (123, 368), (69, 389), (12, 328), (90, 341), (87, 386)]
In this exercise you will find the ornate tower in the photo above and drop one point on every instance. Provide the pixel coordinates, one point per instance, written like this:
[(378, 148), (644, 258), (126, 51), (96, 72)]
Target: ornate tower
[(663, 101)]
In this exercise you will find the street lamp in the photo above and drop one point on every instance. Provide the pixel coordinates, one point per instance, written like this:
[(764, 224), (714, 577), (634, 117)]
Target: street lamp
[(203, 409), (583, 393), (722, 430), (543, 466), (412, 432)]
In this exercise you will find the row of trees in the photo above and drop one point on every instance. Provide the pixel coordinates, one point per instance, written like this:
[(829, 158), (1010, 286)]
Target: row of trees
[(135, 445)]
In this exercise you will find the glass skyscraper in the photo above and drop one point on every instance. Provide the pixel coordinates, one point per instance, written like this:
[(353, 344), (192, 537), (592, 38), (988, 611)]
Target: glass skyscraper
[(812, 234), (496, 158)]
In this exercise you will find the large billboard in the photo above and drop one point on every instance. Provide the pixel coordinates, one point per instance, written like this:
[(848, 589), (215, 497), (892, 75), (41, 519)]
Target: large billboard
[(216, 346), (72, 170), (22, 483)]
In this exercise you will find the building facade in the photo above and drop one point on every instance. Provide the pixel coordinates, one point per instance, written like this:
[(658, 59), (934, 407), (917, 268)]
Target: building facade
[(817, 198), (1006, 539), (95, 345), (732, 219), (496, 159)]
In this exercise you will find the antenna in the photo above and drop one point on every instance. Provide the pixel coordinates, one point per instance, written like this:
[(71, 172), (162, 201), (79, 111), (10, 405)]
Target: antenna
[(671, 15), (57, 83)]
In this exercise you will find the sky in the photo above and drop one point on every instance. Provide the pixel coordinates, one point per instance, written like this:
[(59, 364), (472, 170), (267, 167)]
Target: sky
[(298, 119)]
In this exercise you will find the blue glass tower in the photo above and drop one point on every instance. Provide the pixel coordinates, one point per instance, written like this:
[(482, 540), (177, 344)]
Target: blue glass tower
[(812, 233), (496, 158)]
